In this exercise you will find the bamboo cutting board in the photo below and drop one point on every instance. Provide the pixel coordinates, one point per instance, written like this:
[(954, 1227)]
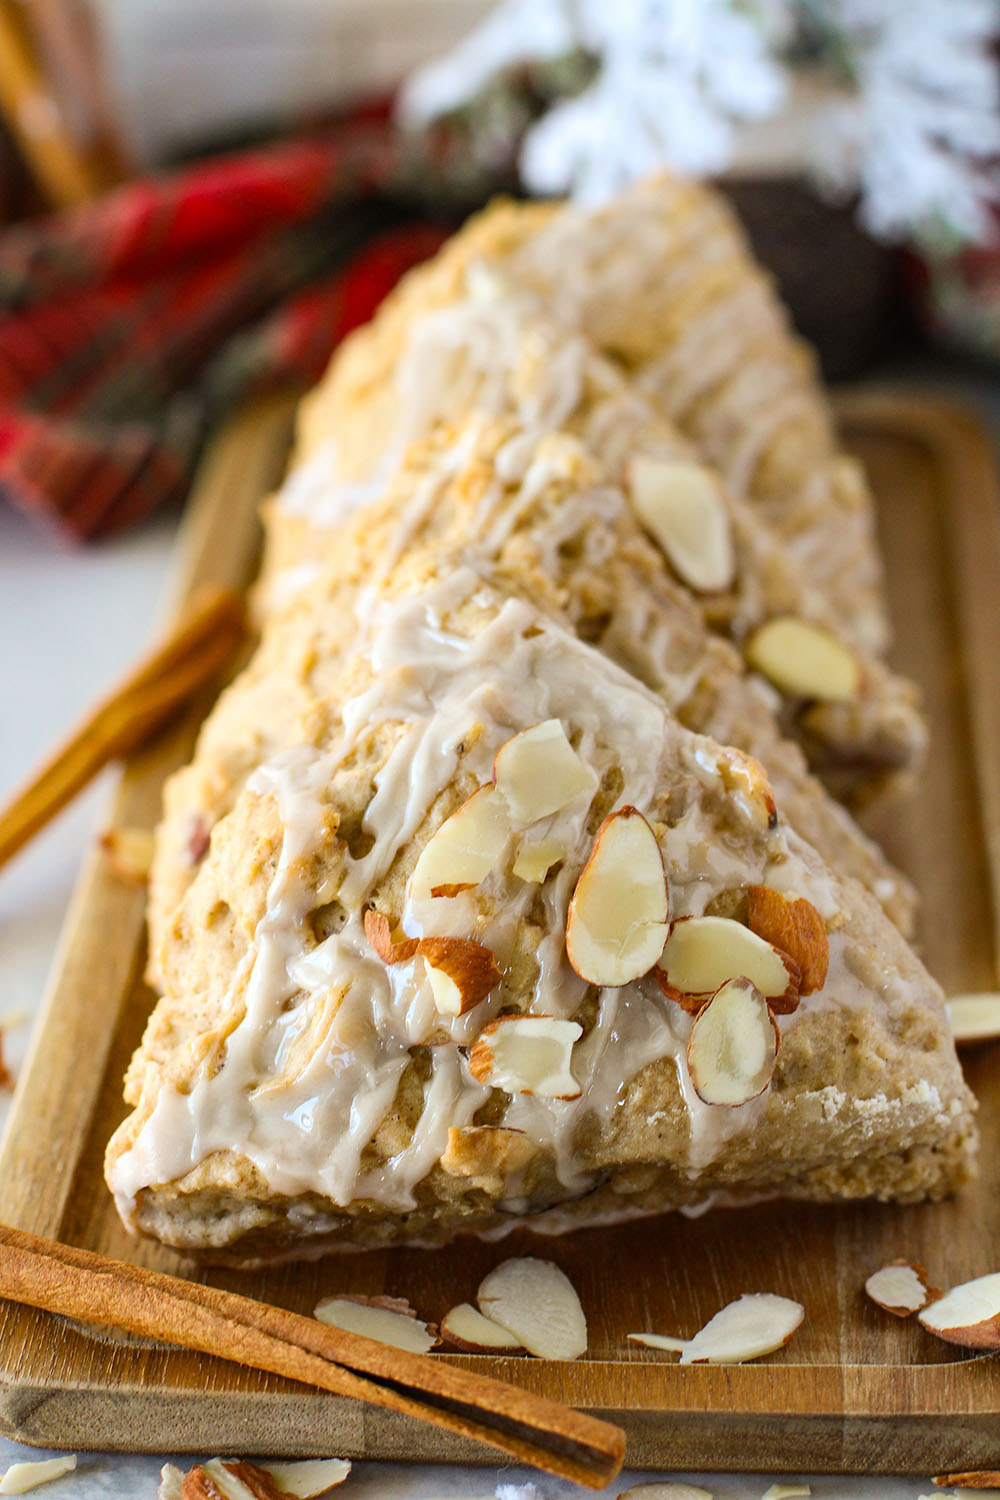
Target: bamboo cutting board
[(855, 1391)]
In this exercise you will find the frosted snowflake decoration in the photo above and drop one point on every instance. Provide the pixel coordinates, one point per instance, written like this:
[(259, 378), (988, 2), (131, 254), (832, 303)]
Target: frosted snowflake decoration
[(674, 80), (923, 120)]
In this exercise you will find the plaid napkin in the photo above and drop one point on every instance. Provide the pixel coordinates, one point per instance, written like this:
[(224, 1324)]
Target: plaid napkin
[(129, 325)]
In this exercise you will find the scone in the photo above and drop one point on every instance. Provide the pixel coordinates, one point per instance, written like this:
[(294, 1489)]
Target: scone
[(402, 1000), (661, 280), (541, 518)]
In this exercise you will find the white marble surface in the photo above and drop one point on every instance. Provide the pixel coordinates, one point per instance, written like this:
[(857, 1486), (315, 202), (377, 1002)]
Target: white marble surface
[(69, 622)]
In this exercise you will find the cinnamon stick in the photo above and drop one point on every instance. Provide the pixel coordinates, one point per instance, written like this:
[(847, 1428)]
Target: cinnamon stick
[(532, 1429), (200, 643)]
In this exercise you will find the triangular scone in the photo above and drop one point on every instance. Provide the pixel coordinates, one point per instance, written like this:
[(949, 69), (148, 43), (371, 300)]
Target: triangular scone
[(556, 533), (661, 279), (306, 1082), (499, 352)]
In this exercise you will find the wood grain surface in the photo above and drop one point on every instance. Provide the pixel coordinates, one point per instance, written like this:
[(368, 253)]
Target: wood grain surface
[(855, 1391)]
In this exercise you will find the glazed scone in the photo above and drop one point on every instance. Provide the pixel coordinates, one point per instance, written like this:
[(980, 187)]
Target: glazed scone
[(542, 519), (305, 1084), (499, 352), (661, 280)]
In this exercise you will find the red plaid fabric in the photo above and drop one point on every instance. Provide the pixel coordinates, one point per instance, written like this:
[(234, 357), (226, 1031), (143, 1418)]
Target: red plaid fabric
[(129, 325)]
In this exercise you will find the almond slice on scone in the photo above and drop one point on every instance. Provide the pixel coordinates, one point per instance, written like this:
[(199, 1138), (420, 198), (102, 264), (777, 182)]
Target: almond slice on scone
[(617, 921)]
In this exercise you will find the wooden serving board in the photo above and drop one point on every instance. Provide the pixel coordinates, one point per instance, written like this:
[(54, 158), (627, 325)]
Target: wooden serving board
[(855, 1391)]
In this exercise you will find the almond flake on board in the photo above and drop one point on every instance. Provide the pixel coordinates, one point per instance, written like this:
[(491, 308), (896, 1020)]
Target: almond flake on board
[(794, 927), (527, 1055), (755, 1324), (974, 1018), (538, 772), (538, 1304), (967, 1315), (787, 1492), (617, 920), (466, 1328), (901, 1288), (973, 1479), (20, 1478), (733, 1045), (659, 1341), (668, 1489), (389, 1320)]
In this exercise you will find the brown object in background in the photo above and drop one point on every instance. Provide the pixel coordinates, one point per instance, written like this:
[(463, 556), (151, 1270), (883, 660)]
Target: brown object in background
[(53, 100)]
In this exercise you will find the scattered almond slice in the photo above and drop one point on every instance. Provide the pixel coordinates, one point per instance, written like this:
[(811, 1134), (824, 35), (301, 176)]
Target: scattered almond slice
[(702, 953), (310, 1477), (20, 1478), (537, 1303), (534, 861), (461, 973), (787, 1492), (793, 927), (404, 1330), (968, 1315), (466, 1328), (972, 1479), (733, 1045), (466, 847), (130, 854), (527, 1055), (680, 503), (901, 1288), (538, 772), (755, 1324), (617, 922), (378, 931), (659, 1341), (668, 1489), (975, 1018), (804, 660)]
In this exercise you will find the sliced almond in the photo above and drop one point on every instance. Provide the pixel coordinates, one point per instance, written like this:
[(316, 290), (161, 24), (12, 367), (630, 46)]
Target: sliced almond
[(804, 660), (617, 921), (461, 973), (534, 861), (527, 1055), (466, 847), (972, 1479), (537, 1303), (232, 1479), (901, 1288), (171, 1484), (666, 1489), (733, 1045), (681, 504), (968, 1315), (310, 1477), (538, 772), (787, 1492), (755, 1324), (391, 950), (130, 854), (404, 1330), (742, 776), (975, 1018), (701, 953), (20, 1478), (486, 1152), (659, 1341), (466, 1328), (793, 927)]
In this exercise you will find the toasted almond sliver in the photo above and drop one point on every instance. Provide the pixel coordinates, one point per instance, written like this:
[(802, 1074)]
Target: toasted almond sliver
[(466, 847), (20, 1478), (702, 953), (617, 921), (755, 1324), (972, 1479), (968, 1315), (793, 927), (527, 1055), (378, 931), (975, 1018), (733, 1045), (787, 1492), (681, 504), (659, 1341), (466, 1328), (461, 973), (538, 772), (804, 660), (388, 1327), (537, 1303), (901, 1288)]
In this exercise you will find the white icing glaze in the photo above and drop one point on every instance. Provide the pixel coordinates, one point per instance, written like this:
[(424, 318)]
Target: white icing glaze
[(311, 1070)]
